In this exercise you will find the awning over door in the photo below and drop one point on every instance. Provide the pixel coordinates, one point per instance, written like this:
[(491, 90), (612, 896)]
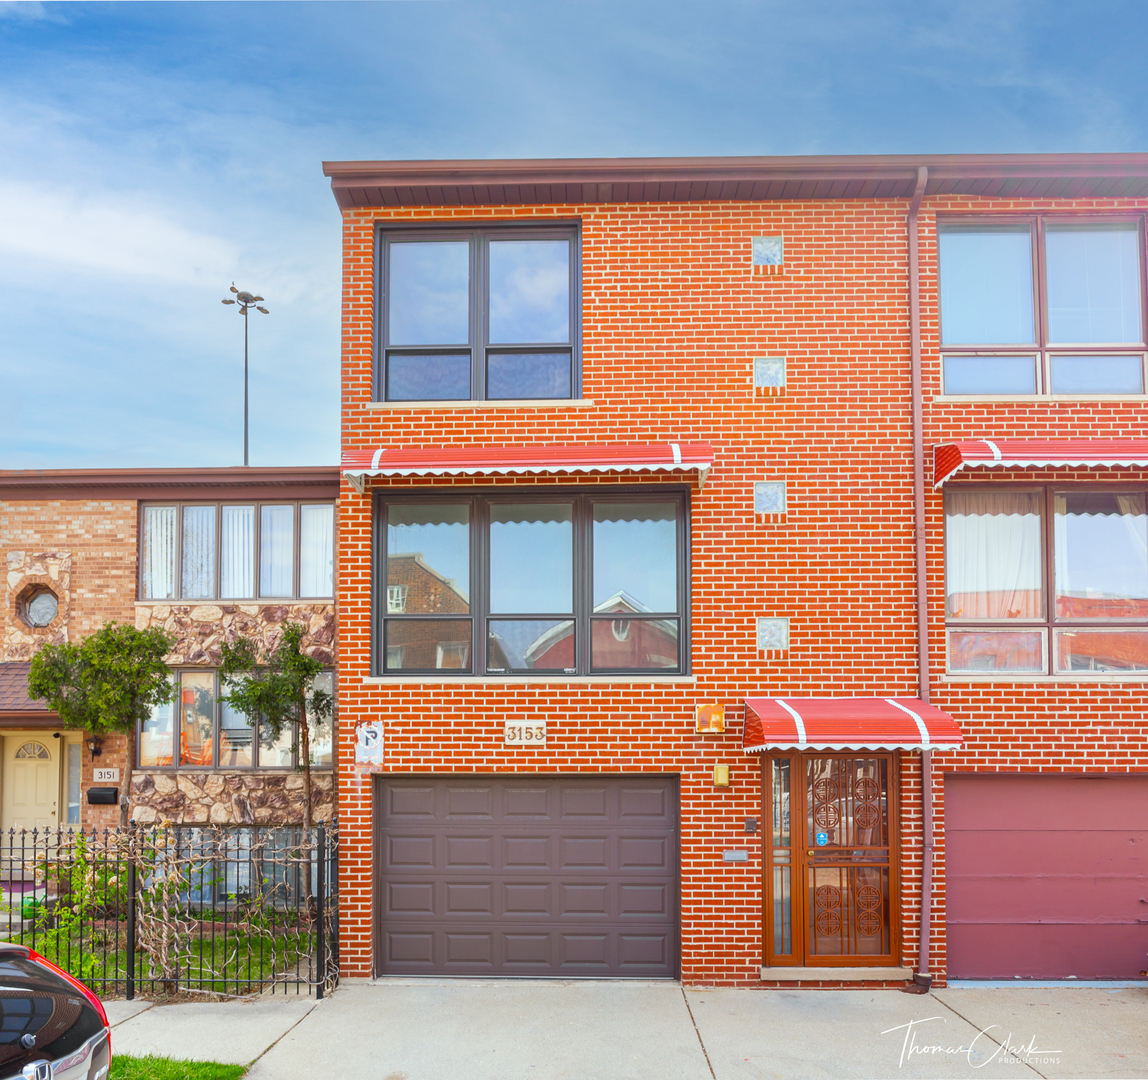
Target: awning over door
[(358, 465), (846, 724), (950, 458)]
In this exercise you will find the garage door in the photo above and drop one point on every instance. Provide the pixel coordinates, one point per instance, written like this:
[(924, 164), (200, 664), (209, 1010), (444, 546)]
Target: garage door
[(542, 876), (1045, 876)]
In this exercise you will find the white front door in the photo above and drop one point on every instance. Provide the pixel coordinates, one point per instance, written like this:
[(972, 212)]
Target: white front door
[(31, 782)]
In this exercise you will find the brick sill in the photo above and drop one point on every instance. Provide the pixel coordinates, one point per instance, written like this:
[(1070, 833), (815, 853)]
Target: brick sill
[(504, 403), (1020, 677), (836, 974), (519, 680)]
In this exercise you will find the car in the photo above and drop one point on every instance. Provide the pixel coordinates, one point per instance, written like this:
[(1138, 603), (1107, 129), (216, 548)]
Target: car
[(52, 1027)]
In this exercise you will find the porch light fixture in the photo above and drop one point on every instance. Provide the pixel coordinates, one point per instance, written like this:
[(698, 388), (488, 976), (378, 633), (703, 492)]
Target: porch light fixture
[(246, 302), (95, 745)]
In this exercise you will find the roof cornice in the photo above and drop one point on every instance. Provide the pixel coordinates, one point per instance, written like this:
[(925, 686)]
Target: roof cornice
[(595, 180), (316, 481)]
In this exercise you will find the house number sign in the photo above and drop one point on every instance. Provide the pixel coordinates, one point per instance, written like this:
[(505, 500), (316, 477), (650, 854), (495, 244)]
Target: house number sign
[(106, 776), (519, 734)]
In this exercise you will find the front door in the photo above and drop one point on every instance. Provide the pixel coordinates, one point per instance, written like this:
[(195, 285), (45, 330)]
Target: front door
[(31, 782), (831, 873)]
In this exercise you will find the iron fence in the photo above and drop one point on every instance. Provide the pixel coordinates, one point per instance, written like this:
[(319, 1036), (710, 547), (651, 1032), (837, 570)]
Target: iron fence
[(170, 909)]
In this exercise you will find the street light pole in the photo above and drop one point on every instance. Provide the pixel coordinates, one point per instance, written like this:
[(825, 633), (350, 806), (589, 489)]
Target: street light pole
[(246, 301)]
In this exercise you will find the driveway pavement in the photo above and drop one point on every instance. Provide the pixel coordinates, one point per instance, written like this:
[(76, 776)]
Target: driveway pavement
[(408, 1029)]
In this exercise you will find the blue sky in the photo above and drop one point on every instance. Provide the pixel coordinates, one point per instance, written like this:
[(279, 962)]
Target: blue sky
[(152, 153)]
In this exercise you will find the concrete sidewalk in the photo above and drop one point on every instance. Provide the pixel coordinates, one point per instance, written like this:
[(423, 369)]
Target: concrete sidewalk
[(422, 1029)]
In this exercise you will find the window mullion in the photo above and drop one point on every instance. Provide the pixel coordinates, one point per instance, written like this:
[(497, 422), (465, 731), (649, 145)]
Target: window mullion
[(478, 324), (480, 576), (583, 583)]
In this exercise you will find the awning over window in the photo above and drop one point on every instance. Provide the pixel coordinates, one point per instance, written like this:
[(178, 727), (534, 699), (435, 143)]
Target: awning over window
[(950, 458), (846, 724), (358, 465)]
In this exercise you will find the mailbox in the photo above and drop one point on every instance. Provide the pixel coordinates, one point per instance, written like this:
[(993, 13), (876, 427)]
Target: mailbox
[(103, 796)]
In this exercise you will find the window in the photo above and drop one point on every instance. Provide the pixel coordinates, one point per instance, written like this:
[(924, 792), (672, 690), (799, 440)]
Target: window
[(1042, 305), (481, 314), (1021, 597), (564, 583), (199, 731), (209, 551)]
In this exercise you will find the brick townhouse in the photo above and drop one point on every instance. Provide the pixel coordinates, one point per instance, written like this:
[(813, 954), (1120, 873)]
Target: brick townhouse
[(205, 553), (838, 459)]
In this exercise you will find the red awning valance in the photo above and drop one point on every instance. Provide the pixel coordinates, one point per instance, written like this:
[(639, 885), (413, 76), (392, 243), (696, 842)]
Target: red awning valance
[(950, 458), (846, 724), (358, 465)]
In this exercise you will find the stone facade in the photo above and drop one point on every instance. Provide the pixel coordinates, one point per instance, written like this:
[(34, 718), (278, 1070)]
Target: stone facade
[(28, 573), (236, 798), (202, 628)]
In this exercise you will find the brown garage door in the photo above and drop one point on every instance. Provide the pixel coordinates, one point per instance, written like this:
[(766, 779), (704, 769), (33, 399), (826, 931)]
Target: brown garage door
[(543, 876), (1045, 876)]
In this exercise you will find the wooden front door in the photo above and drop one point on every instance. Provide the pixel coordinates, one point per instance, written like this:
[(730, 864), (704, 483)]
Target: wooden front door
[(31, 782), (831, 870)]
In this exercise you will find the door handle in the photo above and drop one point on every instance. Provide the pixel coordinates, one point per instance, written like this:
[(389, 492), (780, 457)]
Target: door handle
[(810, 852)]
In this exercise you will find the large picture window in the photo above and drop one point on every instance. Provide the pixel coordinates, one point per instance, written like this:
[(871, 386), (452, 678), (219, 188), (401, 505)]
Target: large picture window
[(565, 583), (478, 314), (1042, 305), (221, 551), (1023, 597), (199, 731)]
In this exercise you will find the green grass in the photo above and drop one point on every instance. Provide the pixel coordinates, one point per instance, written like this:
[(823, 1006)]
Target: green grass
[(126, 1067)]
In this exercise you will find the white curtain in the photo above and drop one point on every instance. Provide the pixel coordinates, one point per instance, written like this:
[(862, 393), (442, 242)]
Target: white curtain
[(276, 550), (198, 552), (993, 560), (316, 550), (159, 553), (237, 553)]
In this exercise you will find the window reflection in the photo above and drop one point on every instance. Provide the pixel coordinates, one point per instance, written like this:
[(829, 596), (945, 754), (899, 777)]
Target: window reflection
[(635, 557), (1093, 284), (429, 293), (531, 558), (197, 713), (529, 291), (1101, 548), (986, 286), (428, 559)]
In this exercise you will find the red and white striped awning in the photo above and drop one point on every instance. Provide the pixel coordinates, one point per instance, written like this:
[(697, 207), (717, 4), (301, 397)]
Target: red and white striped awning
[(846, 724), (950, 458), (359, 465)]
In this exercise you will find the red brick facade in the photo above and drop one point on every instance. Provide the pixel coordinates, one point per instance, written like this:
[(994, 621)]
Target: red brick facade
[(672, 319)]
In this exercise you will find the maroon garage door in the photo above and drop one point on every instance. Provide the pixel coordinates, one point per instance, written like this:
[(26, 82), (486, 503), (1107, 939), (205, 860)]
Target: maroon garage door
[(543, 876), (1045, 876)]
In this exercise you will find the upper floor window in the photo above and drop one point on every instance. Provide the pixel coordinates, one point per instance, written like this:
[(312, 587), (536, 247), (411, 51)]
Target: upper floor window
[(1023, 597), (478, 314), (1042, 305), (225, 551), (199, 731), (564, 583)]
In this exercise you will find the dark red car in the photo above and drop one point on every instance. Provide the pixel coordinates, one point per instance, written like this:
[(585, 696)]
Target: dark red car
[(52, 1027)]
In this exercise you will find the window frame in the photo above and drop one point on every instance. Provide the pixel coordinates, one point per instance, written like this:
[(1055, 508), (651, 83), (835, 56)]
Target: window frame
[(478, 235), (257, 527), (479, 615), (216, 727), (1040, 347), (1049, 624)]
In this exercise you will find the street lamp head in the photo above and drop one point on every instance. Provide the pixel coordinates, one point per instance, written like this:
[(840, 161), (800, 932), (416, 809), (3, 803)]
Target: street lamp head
[(246, 298), (228, 301), (263, 309), (233, 288), (257, 299)]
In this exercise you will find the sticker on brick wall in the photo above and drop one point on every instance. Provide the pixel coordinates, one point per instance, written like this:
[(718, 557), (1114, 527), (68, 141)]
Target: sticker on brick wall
[(769, 375), (772, 637), (767, 254), (769, 500), (369, 743)]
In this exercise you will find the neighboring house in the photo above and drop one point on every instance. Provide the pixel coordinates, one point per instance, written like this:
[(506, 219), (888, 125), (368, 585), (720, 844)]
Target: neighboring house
[(205, 553), (713, 432)]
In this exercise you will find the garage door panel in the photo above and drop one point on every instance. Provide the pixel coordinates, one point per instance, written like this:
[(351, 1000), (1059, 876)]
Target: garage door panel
[(470, 853), (571, 877), (410, 802), (1051, 902), (526, 852)]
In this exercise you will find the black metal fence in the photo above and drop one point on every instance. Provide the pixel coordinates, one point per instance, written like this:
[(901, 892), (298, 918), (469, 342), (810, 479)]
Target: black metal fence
[(177, 909)]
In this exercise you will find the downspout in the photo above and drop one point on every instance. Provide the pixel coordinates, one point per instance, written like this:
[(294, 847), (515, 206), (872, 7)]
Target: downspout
[(922, 980)]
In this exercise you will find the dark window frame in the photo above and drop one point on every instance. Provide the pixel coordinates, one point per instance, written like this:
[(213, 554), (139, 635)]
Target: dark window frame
[(257, 597), (1050, 623), (1040, 347), (478, 234), (478, 591), (216, 728)]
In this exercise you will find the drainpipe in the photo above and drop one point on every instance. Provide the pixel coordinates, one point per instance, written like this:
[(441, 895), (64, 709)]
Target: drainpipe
[(922, 980)]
